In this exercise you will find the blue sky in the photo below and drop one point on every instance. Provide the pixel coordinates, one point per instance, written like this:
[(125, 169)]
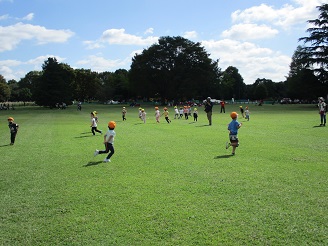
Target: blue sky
[(257, 37)]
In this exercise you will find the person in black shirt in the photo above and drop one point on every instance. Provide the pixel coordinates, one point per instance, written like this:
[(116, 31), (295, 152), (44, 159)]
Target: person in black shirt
[(208, 110), (13, 130)]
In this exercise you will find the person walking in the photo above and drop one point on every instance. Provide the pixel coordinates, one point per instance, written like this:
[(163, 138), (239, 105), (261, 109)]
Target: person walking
[(222, 103), (322, 111), (208, 109)]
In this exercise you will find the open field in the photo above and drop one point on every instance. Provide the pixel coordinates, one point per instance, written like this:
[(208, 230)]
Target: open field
[(167, 184)]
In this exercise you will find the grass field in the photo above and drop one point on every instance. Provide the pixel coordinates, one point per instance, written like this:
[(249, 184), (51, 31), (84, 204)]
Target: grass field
[(167, 184)]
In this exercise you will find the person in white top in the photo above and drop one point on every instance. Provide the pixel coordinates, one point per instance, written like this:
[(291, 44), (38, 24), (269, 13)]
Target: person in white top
[(157, 114), (176, 112), (322, 111), (143, 115), (94, 121), (108, 141)]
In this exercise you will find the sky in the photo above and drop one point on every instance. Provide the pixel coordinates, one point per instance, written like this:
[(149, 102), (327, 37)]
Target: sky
[(258, 37)]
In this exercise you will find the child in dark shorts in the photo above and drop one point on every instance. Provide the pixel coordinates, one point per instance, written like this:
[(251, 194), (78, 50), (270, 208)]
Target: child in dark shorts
[(233, 127)]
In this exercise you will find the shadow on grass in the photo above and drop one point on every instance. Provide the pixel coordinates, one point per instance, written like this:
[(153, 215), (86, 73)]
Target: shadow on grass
[(318, 126), (4, 145), (84, 136), (202, 125), (93, 163), (222, 156), (85, 132)]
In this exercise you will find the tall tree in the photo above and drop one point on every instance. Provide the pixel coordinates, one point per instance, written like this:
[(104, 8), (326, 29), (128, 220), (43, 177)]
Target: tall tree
[(316, 53), (30, 80), (174, 68), (4, 89), (55, 84), (301, 82), (232, 83), (85, 85)]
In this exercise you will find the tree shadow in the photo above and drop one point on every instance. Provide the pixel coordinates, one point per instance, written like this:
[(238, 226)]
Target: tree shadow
[(93, 163), (222, 156)]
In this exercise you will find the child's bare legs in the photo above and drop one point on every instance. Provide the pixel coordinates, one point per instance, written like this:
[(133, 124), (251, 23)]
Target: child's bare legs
[(234, 146)]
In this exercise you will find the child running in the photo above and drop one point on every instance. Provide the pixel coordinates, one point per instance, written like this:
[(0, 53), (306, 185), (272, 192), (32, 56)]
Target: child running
[(233, 127), (166, 115), (247, 113), (108, 141), (123, 113), (157, 114), (185, 111), (94, 121), (143, 115), (181, 112), (195, 114), (176, 113)]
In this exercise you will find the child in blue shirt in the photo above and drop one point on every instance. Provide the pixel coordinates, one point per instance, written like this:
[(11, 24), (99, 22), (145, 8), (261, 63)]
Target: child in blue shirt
[(233, 127)]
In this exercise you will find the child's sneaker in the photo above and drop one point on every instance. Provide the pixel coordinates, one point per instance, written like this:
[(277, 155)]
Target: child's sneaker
[(107, 160), (96, 152), (227, 145)]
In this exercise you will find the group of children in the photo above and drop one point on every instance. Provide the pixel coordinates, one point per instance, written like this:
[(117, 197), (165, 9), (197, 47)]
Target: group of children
[(178, 114), (244, 113)]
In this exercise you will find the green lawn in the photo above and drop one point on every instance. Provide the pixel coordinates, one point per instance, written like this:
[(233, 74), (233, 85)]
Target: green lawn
[(167, 184)]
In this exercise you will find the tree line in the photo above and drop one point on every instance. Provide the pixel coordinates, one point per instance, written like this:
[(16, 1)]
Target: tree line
[(177, 69)]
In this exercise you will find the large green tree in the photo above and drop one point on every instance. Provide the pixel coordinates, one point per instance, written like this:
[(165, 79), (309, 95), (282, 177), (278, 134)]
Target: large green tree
[(55, 84), (301, 81), (85, 85), (232, 84), (174, 68), (4, 89), (316, 53)]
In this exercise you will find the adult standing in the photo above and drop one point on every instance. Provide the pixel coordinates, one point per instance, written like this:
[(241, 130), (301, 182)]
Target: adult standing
[(322, 111), (208, 110), (222, 103)]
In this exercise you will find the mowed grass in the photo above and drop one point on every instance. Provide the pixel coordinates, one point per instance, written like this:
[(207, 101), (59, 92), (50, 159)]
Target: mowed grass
[(167, 184)]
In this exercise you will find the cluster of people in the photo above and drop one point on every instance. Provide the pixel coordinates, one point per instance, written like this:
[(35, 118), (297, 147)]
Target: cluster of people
[(4, 106)]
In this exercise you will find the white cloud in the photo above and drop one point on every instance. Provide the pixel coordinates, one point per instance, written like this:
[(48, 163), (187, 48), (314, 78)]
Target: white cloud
[(38, 61), (251, 60), (13, 69), (100, 64), (11, 36), (149, 31), (4, 17), (284, 17), (249, 32), (190, 35), (119, 37), (28, 17)]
